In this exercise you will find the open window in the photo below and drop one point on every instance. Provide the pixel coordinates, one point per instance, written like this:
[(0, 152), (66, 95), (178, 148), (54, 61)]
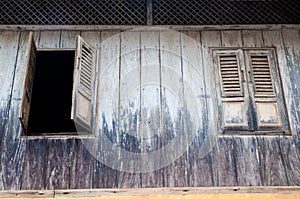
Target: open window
[(250, 97), (58, 90)]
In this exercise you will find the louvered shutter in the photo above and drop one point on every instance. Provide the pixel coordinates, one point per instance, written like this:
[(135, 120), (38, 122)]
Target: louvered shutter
[(266, 90), (28, 82), (230, 77), (263, 85), (83, 86), (230, 73)]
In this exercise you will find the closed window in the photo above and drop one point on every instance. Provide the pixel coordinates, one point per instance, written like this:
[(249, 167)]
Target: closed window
[(54, 76), (249, 94)]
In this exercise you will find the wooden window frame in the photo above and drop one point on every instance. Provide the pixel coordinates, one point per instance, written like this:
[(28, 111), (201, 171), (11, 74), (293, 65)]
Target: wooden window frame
[(78, 113), (250, 121)]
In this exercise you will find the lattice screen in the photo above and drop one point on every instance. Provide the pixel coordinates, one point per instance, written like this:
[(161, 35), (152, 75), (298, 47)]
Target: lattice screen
[(157, 12), (73, 12)]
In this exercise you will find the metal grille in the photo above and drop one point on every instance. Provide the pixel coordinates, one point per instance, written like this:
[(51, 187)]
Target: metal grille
[(200, 12), (73, 12), (160, 12)]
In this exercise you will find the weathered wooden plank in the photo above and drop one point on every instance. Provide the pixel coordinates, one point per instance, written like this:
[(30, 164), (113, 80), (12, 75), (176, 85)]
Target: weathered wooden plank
[(58, 164), (271, 162), (151, 156), (246, 150), (68, 39), (129, 110), (221, 148), (173, 112), (290, 149), (224, 152), (13, 147), (208, 40), (173, 27), (247, 161), (231, 38), (36, 37), (252, 38), (27, 194), (49, 39), (275, 39), (83, 150), (8, 53), (92, 37), (82, 168), (33, 169), (108, 95), (157, 193), (290, 146), (289, 46), (284, 43), (199, 161)]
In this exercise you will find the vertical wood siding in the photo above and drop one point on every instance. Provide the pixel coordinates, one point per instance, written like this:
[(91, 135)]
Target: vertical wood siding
[(145, 82)]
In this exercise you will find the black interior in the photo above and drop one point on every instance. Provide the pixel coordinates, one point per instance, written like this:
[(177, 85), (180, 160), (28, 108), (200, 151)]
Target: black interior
[(51, 101)]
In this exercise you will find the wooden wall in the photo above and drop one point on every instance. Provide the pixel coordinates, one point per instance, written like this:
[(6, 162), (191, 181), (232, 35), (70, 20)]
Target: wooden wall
[(167, 68)]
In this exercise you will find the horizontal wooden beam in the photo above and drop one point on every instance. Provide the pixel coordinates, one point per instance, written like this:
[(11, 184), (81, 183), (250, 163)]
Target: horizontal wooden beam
[(291, 192), (145, 27)]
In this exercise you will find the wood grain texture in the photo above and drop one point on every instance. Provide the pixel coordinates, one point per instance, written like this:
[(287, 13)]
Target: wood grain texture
[(129, 137), (224, 153), (34, 167), (275, 39), (290, 150), (49, 39), (157, 193), (151, 125), (271, 162), (145, 113), (13, 148), (231, 39), (82, 163), (252, 38), (289, 46), (210, 40), (58, 164), (173, 113), (8, 53), (106, 149), (247, 161), (284, 43), (68, 39), (130, 27), (83, 150), (246, 153), (199, 160)]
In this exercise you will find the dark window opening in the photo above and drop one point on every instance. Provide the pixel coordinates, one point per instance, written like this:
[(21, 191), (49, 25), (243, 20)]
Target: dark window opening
[(51, 101)]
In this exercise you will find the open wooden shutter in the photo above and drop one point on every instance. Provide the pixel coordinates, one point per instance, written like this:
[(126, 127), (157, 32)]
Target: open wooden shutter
[(267, 92), (28, 82), (83, 86), (230, 77)]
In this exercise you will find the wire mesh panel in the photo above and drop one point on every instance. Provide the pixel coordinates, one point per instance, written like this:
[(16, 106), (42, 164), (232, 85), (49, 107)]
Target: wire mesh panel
[(199, 12), (158, 12), (73, 12)]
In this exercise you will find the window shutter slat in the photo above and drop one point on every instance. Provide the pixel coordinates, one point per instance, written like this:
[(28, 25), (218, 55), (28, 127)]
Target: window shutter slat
[(83, 86), (230, 75), (261, 75), (28, 82)]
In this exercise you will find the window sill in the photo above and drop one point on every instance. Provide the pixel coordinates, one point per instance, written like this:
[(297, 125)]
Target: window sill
[(256, 133)]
